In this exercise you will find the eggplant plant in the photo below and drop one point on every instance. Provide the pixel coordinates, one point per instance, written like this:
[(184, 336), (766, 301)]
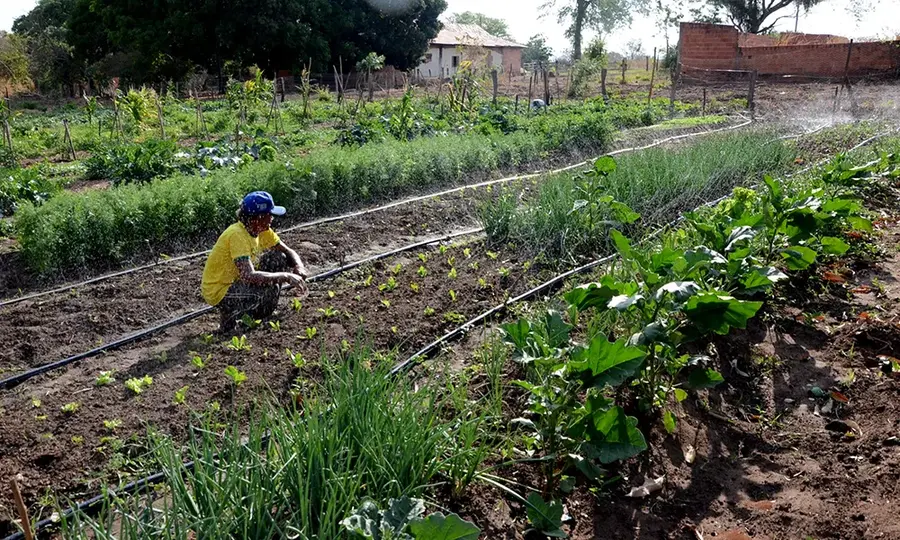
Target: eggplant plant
[(571, 415)]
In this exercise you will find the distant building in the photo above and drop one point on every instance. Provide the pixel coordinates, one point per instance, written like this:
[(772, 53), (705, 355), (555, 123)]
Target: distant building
[(458, 43)]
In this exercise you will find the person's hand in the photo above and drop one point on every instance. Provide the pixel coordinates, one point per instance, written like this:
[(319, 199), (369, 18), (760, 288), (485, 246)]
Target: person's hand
[(297, 282), (300, 271)]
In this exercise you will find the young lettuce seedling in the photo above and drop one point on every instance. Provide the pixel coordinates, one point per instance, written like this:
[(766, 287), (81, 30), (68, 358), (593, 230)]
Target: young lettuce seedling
[(237, 377), (105, 378)]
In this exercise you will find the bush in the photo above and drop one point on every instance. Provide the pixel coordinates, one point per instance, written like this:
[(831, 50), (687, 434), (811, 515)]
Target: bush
[(18, 186), (108, 226), (133, 162)]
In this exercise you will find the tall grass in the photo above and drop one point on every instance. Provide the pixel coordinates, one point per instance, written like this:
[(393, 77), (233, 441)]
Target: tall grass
[(101, 228), (362, 435), (657, 183)]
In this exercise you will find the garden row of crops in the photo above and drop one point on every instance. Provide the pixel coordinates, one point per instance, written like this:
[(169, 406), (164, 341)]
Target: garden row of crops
[(346, 158), (609, 362)]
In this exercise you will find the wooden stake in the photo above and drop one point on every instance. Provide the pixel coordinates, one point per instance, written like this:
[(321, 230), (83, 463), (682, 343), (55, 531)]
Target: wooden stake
[(546, 86), (23, 511), (704, 102), (162, 122), (496, 83), (751, 95), (558, 96), (652, 77), (603, 73), (516, 110), (530, 84), (672, 92), (68, 139)]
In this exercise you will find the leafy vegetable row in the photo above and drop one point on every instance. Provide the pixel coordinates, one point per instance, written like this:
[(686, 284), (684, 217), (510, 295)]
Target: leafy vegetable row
[(622, 343)]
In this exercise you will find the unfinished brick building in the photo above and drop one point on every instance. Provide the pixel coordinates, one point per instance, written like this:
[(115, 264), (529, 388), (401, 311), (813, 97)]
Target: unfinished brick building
[(718, 47)]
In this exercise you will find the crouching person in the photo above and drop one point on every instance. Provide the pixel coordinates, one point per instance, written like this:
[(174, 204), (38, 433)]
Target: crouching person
[(249, 263)]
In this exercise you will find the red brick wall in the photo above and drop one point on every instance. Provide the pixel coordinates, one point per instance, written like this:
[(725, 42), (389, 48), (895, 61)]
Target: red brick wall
[(708, 46), (512, 57)]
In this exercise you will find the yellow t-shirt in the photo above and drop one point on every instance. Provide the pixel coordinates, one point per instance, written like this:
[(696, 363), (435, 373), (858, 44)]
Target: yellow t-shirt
[(235, 243)]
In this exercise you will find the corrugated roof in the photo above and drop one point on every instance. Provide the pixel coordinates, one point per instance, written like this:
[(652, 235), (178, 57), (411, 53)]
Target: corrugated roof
[(470, 34)]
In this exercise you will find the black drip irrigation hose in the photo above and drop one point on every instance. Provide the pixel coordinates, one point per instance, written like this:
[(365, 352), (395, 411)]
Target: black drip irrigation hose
[(460, 331), (343, 217), (140, 335), (94, 504)]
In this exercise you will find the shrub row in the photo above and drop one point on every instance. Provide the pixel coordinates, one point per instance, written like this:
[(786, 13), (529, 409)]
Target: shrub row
[(101, 228)]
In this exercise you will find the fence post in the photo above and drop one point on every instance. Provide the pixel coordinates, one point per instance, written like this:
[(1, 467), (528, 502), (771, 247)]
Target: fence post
[(162, 123), (652, 79), (68, 139), (496, 82), (546, 86), (516, 110), (704, 101), (751, 95), (530, 85), (603, 73), (672, 92)]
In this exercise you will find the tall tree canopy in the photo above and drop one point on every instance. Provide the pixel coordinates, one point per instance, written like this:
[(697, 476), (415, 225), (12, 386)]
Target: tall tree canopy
[(537, 50), (759, 16), (601, 15), (167, 39), (495, 27), (50, 58)]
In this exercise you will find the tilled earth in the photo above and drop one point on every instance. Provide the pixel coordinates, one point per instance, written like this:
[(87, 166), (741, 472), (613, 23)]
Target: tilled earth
[(803, 440)]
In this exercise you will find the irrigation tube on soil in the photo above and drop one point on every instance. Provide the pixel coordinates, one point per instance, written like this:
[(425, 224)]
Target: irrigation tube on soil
[(95, 503), (16, 380), (429, 349), (395, 204)]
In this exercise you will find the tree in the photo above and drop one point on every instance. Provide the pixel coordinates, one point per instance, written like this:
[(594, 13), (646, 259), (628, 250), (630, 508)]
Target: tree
[(756, 16), (51, 62), (493, 26), (601, 15), (167, 39), (13, 59), (634, 48), (537, 50)]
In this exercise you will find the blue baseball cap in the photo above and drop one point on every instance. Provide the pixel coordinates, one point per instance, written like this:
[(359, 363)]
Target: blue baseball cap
[(259, 203)]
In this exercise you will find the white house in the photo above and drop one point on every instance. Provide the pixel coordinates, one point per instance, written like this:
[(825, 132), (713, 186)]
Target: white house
[(457, 43)]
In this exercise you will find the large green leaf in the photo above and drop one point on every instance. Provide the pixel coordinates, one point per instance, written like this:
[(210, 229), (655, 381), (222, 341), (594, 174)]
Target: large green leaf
[(680, 291), (591, 295), (401, 511), (703, 254), (798, 257), (616, 436), (834, 246), (517, 333), (704, 378), (762, 278), (606, 363), (738, 236), (545, 517), (669, 422), (664, 259), (623, 302), (717, 312), (860, 224), (623, 213), (557, 329), (438, 527), (605, 165), (623, 246), (365, 521), (654, 331)]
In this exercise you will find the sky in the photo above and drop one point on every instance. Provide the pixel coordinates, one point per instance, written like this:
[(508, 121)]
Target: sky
[(829, 17)]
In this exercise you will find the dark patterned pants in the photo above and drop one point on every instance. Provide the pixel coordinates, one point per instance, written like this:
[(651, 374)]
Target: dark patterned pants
[(257, 301)]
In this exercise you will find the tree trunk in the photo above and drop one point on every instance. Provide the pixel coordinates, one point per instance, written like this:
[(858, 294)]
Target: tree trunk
[(578, 27)]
